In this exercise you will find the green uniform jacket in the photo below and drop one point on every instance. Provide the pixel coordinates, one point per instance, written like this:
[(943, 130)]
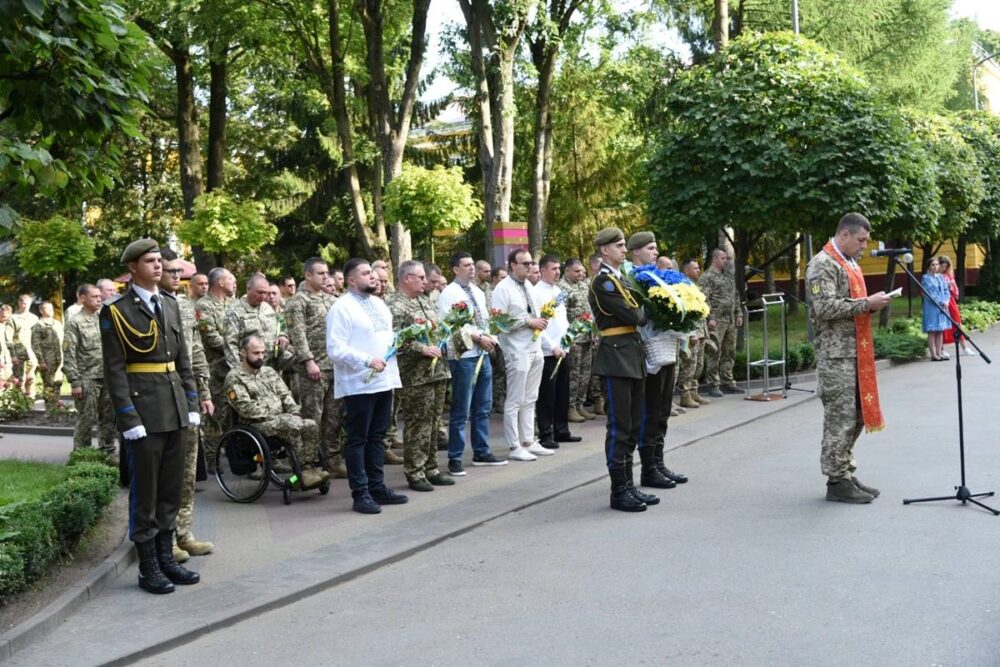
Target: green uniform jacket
[(617, 356), (159, 401), (259, 395)]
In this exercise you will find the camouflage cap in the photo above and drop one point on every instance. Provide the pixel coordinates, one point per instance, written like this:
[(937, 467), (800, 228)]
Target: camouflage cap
[(639, 240), (137, 249), (608, 235)]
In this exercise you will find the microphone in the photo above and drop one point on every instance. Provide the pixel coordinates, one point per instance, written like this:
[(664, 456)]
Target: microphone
[(891, 252), (752, 270)]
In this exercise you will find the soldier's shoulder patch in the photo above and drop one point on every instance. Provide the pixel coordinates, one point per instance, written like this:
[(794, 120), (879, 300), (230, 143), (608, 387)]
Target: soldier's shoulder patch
[(105, 324), (608, 285), (815, 288), (231, 394)]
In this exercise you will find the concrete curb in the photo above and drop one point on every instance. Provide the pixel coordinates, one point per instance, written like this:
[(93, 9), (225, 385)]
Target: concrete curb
[(54, 431)]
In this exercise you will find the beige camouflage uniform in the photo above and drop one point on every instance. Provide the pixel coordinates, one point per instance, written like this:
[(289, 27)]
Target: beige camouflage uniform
[(423, 393), (243, 320), (15, 346), (305, 316), (719, 288), (691, 359), (831, 312), (26, 322), (261, 398), (83, 366), (211, 318), (581, 354), (47, 341)]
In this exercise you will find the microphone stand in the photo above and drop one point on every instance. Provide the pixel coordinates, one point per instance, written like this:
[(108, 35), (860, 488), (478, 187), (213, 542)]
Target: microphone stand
[(962, 493)]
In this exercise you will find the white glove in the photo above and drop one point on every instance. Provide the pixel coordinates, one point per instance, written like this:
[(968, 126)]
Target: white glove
[(135, 433), (194, 419)]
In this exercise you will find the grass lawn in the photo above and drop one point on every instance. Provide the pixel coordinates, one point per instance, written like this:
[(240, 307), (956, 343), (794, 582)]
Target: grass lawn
[(27, 480)]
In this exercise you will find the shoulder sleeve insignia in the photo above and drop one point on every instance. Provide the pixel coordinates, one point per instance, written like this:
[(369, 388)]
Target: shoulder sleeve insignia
[(815, 288), (609, 286), (105, 324), (231, 394)]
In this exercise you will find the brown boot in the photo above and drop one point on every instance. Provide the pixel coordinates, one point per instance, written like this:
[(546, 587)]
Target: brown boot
[(574, 416), (192, 546), (585, 413), (180, 555), (313, 477), (701, 399), (392, 458), (337, 469), (688, 401), (599, 407)]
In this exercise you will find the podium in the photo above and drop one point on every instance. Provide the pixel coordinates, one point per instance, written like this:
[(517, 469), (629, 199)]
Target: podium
[(764, 306)]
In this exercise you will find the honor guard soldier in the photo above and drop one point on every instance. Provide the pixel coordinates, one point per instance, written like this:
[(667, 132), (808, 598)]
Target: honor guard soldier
[(148, 374), (621, 363)]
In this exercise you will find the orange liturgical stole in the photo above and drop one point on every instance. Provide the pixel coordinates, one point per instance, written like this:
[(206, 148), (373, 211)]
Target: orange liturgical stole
[(871, 410)]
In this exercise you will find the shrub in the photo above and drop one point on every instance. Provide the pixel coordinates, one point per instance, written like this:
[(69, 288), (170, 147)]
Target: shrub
[(901, 341), (979, 315), (11, 569), (13, 403), (33, 535), (76, 505), (807, 355), (87, 455)]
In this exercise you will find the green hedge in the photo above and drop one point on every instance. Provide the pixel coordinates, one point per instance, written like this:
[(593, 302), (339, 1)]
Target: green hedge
[(902, 340), (34, 534), (979, 315)]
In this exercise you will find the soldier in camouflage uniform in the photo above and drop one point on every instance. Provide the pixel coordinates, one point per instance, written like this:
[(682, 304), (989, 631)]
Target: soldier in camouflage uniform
[(576, 286), (832, 313), (27, 319), (424, 374), (305, 316), (210, 313), (83, 366), (46, 340), (691, 357), (185, 544), (252, 315), (13, 337), (718, 283), (258, 395)]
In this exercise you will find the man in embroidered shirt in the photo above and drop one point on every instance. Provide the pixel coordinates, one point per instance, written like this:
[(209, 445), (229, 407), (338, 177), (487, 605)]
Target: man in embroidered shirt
[(840, 312), (553, 393)]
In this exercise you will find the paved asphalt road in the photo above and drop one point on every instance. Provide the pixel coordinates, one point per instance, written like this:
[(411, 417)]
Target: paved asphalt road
[(745, 565)]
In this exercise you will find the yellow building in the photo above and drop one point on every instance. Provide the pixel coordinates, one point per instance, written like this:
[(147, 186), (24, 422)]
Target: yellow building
[(988, 78)]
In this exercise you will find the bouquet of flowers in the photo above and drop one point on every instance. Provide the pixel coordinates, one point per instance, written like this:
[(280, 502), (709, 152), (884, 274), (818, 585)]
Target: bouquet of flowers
[(549, 311), (451, 328), (500, 322), (672, 302), (417, 331), (578, 328)]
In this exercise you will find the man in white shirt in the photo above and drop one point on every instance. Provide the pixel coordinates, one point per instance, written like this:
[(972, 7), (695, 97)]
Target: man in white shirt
[(553, 393), (522, 352), (358, 339), (471, 395)]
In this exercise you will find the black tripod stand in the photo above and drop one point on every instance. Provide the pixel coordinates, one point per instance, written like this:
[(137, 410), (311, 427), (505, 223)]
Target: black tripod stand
[(962, 493)]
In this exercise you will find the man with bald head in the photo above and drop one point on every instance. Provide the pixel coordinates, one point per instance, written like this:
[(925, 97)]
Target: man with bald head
[(197, 287), (253, 315)]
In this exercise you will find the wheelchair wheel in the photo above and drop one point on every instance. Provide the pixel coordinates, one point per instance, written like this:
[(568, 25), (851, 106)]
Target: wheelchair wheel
[(324, 488), (286, 495), (242, 464)]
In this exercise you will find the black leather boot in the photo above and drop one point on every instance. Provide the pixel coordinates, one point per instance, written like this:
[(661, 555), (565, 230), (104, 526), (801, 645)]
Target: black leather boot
[(165, 557), (621, 493), (150, 576), (647, 498), (675, 477), (651, 475)]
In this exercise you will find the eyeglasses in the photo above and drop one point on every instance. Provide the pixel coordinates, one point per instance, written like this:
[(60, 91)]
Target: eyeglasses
[(174, 272), (528, 263)]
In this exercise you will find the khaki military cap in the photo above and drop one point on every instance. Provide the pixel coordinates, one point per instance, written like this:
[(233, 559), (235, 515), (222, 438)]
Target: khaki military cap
[(608, 235), (640, 240), (137, 249)]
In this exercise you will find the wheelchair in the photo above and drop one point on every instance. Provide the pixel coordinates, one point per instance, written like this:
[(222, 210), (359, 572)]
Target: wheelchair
[(247, 462)]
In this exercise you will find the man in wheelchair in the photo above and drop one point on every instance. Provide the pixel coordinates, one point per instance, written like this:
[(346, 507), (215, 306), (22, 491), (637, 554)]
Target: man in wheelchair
[(259, 397)]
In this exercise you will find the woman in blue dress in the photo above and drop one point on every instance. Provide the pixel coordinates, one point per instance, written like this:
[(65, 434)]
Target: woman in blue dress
[(935, 323)]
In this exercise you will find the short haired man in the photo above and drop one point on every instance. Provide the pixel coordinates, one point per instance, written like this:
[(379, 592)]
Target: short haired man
[(210, 312), (499, 273), (359, 333), (435, 281), (46, 341), (534, 273), (197, 287), (337, 277), (382, 274), (287, 285), (26, 320), (108, 289), (553, 392), (691, 357), (484, 276), (664, 262), (76, 307), (522, 350), (254, 315), (840, 310), (274, 298), (718, 283)]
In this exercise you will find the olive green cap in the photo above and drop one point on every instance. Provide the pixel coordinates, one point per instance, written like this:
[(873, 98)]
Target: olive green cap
[(640, 240), (608, 235), (137, 249)]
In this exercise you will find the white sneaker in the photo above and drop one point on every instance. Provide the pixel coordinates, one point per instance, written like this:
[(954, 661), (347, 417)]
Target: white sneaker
[(945, 355), (969, 352), (537, 449), (521, 454)]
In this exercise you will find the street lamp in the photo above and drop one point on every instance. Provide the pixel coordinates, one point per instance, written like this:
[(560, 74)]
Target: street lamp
[(975, 68)]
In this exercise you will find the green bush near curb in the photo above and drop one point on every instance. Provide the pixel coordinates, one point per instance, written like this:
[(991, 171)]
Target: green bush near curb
[(35, 533)]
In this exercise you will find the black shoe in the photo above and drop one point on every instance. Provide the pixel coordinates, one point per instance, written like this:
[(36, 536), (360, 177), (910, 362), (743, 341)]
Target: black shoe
[(420, 484), (484, 460), (647, 498), (677, 477), (386, 496), (566, 437), (440, 480), (165, 558), (731, 389), (652, 477), (549, 444), (870, 490), (623, 500), (365, 504), (714, 392), (151, 578), (455, 468)]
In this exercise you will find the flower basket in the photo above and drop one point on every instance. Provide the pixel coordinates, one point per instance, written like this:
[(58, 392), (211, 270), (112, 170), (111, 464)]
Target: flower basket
[(661, 346)]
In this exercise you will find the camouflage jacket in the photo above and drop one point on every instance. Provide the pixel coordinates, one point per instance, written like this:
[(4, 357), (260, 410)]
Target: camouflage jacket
[(211, 317), (414, 367), (305, 317), (195, 348), (14, 338), (258, 395), (243, 320), (577, 302), (720, 291), (82, 357), (46, 340), (831, 308), (487, 288)]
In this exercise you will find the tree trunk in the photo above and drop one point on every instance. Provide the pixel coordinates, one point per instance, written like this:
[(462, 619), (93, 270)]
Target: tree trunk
[(189, 143), (721, 24), (218, 92), (793, 278)]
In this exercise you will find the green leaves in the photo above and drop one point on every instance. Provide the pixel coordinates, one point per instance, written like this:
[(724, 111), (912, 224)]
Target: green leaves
[(223, 225), (53, 246), (425, 200)]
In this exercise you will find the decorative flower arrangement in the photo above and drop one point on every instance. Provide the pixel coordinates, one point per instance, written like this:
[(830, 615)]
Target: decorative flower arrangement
[(549, 311), (500, 322), (417, 331), (578, 328), (672, 302)]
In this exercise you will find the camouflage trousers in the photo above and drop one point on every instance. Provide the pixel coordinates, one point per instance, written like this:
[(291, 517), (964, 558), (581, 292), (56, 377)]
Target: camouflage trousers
[(185, 515), (422, 406), (842, 419), (319, 405), (719, 361), (214, 426), (51, 386), (302, 435), (690, 362), (580, 361), (94, 409), (499, 379)]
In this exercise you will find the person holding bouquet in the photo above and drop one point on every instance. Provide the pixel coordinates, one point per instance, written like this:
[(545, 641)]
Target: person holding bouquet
[(553, 393)]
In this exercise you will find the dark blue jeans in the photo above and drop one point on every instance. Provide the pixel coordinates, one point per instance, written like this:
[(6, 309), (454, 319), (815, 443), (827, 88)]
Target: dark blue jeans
[(470, 401), (364, 450)]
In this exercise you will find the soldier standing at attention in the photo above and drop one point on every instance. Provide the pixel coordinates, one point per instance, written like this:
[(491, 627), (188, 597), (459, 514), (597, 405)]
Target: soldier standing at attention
[(210, 313), (46, 340), (170, 282), (425, 381), (840, 310), (576, 286), (27, 320), (305, 316), (621, 364), (719, 285), (148, 375), (83, 366)]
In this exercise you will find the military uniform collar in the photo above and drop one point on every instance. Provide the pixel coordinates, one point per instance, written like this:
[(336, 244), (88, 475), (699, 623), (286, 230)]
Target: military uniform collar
[(615, 272)]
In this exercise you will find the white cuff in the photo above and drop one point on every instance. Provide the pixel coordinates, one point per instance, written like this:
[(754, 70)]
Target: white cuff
[(135, 433), (194, 419)]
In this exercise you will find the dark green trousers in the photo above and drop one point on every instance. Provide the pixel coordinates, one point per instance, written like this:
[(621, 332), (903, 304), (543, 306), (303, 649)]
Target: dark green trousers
[(156, 463)]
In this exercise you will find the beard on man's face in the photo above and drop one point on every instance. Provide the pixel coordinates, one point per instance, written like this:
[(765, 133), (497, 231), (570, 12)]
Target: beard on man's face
[(255, 363), (370, 289)]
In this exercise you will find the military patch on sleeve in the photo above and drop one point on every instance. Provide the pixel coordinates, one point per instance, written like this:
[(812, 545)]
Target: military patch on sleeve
[(609, 286), (231, 394), (815, 288), (105, 324)]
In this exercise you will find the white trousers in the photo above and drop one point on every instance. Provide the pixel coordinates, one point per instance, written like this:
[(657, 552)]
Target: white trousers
[(524, 376)]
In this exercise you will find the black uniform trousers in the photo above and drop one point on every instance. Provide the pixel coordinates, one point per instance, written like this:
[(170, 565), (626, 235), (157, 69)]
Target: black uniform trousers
[(552, 408), (156, 464), (656, 407), (624, 405)]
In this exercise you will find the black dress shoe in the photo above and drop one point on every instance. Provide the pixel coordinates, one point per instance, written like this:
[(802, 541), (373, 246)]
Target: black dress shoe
[(567, 437), (677, 477), (549, 444), (364, 504), (623, 500), (386, 496)]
